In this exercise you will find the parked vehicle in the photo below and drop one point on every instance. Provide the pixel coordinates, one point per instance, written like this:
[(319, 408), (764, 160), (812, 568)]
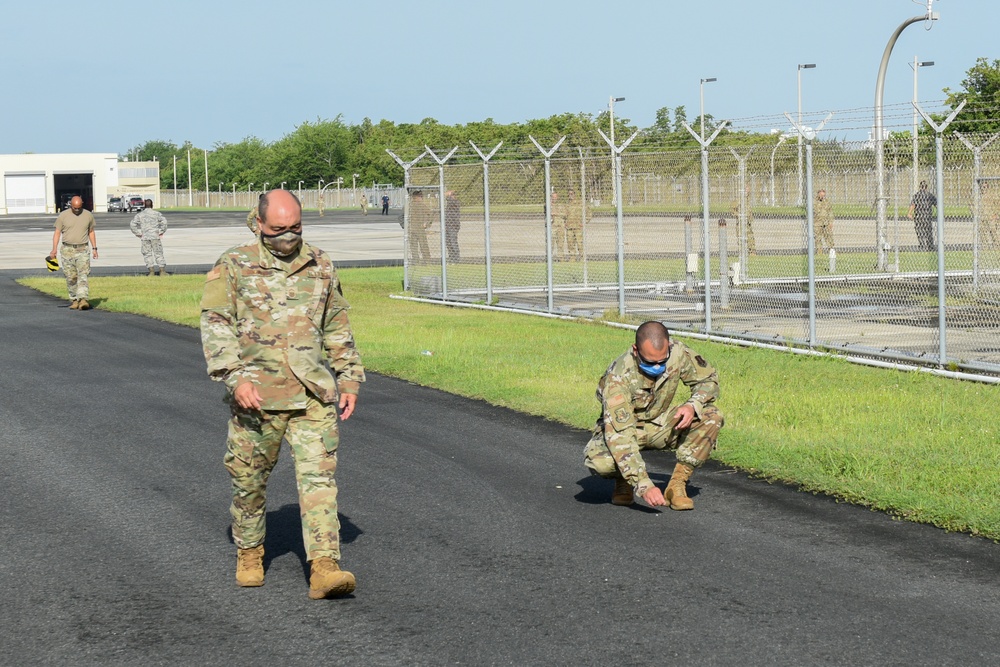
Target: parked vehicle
[(135, 204), (116, 205)]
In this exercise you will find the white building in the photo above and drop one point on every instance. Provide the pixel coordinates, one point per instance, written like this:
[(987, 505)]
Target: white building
[(44, 183)]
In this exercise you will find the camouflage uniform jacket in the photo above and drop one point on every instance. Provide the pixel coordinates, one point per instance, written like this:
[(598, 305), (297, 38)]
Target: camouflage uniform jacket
[(630, 401), (822, 212), (148, 224), (273, 323)]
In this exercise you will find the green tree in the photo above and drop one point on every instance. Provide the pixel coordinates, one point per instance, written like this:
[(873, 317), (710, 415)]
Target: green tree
[(981, 92)]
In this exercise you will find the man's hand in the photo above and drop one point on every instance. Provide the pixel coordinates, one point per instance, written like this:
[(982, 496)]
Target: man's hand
[(347, 402), (684, 416), (95, 253), (247, 396), (654, 497)]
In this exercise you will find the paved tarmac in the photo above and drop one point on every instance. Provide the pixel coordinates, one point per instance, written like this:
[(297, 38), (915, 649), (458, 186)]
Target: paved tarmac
[(475, 533), (194, 240)]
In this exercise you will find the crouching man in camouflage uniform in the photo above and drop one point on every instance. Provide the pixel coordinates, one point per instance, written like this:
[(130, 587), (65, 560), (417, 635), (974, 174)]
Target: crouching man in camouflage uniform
[(273, 325), (635, 394)]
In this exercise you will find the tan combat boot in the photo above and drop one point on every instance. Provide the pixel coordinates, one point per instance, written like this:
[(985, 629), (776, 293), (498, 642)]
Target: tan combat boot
[(676, 491), (622, 495), (74, 304), (152, 271), (84, 304), (327, 580), (163, 270), (250, 566)]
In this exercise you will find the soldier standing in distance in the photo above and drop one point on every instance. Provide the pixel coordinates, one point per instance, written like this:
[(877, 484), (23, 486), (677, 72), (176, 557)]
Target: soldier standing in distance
[(635, 394), (744, 206), (150, 226), (452, 224), (273, 325), (75, 227), (364, 204), (385, 204), (576, 210), (921, 215), (823, 223), (421, 217)]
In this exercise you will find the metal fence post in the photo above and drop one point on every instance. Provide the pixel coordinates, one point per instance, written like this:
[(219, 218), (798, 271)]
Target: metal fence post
[(441, 214), (548, 216), (706, 247), (583, 212), (744, 214), (977, 152), (620, 228), (939, 149), (689, 270), (810, 242), (486, 217), (406, 213)]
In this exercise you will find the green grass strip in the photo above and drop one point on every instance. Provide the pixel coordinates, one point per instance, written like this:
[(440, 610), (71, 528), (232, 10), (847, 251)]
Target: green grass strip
[(912, 444)]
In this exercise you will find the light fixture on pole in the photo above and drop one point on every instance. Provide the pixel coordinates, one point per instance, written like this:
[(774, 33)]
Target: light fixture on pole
[(917, 64), (611, 108), (300, 190), (283, 184), (702, 96), (799, 74)]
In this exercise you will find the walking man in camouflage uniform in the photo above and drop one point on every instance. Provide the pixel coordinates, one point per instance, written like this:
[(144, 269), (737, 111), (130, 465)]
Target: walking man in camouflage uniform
[(743, 207), (921, 213), (75, 227), (576, 210), (364, 204), (274, 325), (636, 393), (822, 223), (421, 217), (150, 226)]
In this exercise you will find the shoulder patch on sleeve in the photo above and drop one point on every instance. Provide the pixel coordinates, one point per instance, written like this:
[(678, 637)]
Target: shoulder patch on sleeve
[(616, 400)]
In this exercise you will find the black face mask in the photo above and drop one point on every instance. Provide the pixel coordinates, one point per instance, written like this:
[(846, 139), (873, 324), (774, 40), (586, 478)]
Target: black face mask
[(284, 244)]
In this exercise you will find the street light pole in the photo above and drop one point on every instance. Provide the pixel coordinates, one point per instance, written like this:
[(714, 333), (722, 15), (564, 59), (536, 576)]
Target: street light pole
[(702, 107), (916, 66), (781, 140), (283, 184), (879, 142), (801, 67), (614, 182), (300, 190)]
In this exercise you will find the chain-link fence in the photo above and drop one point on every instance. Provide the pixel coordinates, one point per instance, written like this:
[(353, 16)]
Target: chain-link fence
[(311, 198), (552, 234)]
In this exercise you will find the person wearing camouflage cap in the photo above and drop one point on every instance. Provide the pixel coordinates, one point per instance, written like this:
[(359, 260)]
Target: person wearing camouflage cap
[(636, 393), (274, 329)]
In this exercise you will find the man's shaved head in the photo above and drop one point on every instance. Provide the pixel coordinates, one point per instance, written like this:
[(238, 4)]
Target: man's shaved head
[(653, 334), (274, 197), (76, 203)]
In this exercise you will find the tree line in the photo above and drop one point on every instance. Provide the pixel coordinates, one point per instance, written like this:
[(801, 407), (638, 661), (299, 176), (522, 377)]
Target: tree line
[(330, 148)]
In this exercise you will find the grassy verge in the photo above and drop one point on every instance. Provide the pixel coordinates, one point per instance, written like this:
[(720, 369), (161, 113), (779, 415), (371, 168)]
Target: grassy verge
[(912, 444)]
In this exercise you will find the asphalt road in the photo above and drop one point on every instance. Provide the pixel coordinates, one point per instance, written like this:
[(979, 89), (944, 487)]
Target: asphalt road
[(475, 533)]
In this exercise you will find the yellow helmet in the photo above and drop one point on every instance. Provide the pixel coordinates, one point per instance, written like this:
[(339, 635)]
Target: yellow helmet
[(52, 263)]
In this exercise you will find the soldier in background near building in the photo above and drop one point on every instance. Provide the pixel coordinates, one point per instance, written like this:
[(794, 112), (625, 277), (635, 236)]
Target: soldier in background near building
[(75, 228), (577, 212), (743, 206), (635, 395), (922, 216), (421, 217), (150, 226), (319, 203), (364, 204), (452, 224), (274, 325), (822, 223), (385, 204)]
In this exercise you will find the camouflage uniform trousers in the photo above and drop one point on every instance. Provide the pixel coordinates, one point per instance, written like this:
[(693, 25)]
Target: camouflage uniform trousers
[(75, 265), (252, 451), (694, 444), (574, 242), (823, 238), (152, 253)]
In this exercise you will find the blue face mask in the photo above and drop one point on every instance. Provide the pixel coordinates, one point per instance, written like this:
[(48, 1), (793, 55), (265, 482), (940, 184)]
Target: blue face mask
[(652, 370)]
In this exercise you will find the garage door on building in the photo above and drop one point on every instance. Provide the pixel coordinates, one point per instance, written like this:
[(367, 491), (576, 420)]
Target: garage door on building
[(25, 193)]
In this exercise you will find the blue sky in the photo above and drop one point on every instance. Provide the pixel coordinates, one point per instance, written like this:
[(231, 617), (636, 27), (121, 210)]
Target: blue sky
[(219, 71)]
